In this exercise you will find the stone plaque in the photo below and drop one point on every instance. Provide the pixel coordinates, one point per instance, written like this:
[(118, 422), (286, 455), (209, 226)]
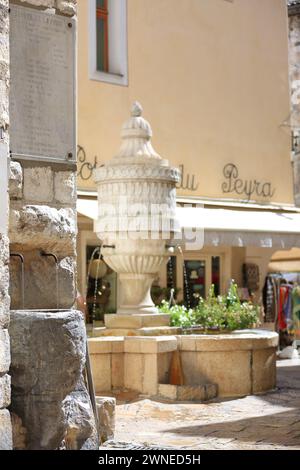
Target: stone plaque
[(3, 187), (42, 93)]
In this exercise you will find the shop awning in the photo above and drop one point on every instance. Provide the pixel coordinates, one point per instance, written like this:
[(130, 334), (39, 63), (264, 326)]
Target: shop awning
[(263, 228), (88, 208)]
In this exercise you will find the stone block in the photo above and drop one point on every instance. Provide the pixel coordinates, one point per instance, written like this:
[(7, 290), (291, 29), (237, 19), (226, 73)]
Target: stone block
[(101, 370), (163, 365), (6, 442), (106, 408), (4, 282), (68, 7), (191, 393), (43, 280), (159, 331), (211, 391), (150, 345), (187, 343), (264, 370), (150, 375), (133, 372), (136, 320), (4, 351), (48, 394), (4, 391), (65, 187), (4, 309), (117, 371), (81, 432), (43, 227), (106, 345), (167, 391), (99, 331), (229, 370), (244, 340), (38, 184), (15, 181), (200, 393), (41, 3)]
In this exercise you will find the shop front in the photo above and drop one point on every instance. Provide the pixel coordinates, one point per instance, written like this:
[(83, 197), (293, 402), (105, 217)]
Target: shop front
[(240, 243)]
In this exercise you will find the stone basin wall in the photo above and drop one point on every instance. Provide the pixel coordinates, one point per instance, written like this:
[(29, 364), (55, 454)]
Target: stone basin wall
[(239, 364)]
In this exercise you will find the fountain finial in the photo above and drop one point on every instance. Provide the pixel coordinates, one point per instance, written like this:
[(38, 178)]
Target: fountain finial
[(136, 110)]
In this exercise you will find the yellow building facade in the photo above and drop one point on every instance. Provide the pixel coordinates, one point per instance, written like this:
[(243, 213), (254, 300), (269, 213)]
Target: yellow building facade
[(213, 79)]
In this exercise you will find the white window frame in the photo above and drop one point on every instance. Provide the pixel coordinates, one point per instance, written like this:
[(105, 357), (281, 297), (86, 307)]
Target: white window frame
[(117, 45)]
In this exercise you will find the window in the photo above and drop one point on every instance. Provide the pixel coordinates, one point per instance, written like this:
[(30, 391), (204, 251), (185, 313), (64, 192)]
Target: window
[(108, 41), (102, 35)]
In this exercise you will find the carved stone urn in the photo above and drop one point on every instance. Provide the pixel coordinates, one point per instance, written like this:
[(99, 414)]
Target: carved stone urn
[(137, 214)]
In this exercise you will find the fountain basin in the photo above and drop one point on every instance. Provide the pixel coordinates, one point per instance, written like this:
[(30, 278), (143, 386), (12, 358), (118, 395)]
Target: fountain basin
[(237, 364)]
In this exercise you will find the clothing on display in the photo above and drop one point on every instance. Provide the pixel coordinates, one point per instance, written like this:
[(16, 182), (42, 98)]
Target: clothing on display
[(281, 299)]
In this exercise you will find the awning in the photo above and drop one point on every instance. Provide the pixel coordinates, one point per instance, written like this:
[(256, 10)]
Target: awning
[(291, 266), (267, 229), (88, 208)]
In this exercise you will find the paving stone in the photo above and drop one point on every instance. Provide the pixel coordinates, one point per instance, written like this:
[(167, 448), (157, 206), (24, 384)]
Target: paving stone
[(265, 422)]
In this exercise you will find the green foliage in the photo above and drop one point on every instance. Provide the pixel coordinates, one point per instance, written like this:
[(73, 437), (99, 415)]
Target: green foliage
[(216, 312), (180, 315)]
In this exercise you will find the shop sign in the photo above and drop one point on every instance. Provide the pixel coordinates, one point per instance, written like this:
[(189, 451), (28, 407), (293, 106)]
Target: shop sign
[(85, 168), (187, 180), (243, 187)]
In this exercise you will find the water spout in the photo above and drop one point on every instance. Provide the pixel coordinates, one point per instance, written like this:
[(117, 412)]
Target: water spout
[(95, 251), (21, 257), (186, 283)]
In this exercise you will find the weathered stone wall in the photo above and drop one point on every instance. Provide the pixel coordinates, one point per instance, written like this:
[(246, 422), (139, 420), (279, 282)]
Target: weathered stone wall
[(43, 218), (5, 422), (50, 405), (294, 121)]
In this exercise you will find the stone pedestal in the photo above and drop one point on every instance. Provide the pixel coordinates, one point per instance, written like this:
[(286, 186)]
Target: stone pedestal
[(49, 396)]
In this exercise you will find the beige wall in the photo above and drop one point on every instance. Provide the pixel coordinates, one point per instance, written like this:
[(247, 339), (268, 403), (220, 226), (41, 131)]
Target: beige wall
[(213, 79)]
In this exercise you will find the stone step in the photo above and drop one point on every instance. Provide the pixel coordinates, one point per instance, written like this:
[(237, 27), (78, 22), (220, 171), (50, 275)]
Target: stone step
[(148, 331), (137, 320), (202, 393)]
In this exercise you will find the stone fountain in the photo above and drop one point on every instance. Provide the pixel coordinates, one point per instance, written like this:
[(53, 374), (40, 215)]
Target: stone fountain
[(136, 223), (138, 350)]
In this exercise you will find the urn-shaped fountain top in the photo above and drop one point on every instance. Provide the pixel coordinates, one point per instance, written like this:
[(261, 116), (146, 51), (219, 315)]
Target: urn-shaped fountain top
[(137, 213)]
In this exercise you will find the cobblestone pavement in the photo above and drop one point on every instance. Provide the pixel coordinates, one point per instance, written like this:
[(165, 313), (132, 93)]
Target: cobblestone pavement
[(270, 421)]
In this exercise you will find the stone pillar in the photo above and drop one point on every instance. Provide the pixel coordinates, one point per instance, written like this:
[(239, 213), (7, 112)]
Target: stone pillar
[(51, 401), (50, 404), (5, 422)]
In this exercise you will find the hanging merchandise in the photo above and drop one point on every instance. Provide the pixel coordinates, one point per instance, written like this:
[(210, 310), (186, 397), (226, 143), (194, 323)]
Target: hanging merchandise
[(281, 299), (296, 310)]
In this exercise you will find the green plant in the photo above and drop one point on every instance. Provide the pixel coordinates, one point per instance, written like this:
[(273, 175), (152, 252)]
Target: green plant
[(180, 315), (215, 312)]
